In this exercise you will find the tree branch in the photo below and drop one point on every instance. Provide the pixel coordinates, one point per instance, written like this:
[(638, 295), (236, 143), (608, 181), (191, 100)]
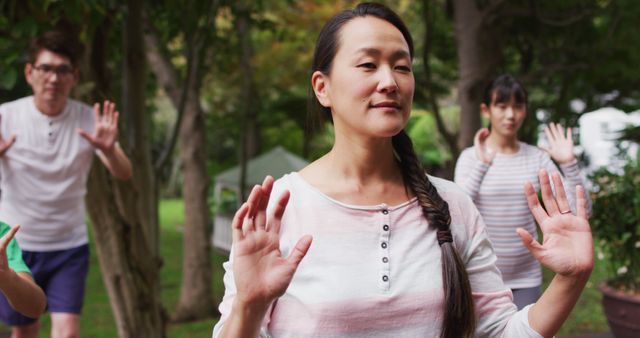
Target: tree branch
[(533, 10), (170, 81)]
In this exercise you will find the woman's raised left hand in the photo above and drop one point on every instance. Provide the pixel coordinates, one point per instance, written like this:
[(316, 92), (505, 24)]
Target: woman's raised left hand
[(560, 143), (567, 246)]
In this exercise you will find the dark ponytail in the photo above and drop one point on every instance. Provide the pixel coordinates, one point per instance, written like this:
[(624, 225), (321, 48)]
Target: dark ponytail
[(459, 318)]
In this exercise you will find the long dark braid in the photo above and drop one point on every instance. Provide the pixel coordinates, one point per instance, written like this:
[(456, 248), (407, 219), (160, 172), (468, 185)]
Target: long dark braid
[(459, 319)]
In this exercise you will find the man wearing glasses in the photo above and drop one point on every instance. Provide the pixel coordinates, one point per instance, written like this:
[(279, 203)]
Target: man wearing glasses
[(47, 142)]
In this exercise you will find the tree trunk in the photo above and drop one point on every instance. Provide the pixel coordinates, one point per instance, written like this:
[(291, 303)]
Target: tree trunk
[(479, 55), (449, 137), (250, 138), (196, 293), (124, 214)]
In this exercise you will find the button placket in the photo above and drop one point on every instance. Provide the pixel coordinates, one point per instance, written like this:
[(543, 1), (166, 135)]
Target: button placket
[(384, 228), (51, 132)]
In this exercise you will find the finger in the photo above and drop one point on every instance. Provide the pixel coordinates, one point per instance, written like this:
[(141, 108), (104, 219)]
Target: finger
[(546, 149), (480, 136), (112, 109), (569, 135), (530, 243), (116, 116), (236, 224), (106, 111), (547, 132), (261, 215), (300, 250), (476, 138), (267, 186), (276, 217), (4, 147), (534, 204), (581, 202), (484, 133), (96, 111), (555, 130), (559, 130), (547, 193), (254, 200), (4, 241), (248, 223), (561, 196), (86, 135), (10, 142)]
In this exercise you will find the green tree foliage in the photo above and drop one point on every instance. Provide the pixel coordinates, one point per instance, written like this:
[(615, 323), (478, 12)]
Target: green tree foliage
[(568, 50)]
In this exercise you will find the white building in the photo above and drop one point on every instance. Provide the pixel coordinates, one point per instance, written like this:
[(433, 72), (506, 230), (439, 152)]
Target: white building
[(276, 163), (599, 130)]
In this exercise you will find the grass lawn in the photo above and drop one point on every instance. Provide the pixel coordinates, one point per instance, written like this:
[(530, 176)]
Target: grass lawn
[(587, 316), (97, 320)]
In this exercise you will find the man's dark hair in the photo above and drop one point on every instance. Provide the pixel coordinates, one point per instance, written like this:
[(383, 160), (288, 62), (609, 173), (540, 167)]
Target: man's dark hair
[(57, 42)]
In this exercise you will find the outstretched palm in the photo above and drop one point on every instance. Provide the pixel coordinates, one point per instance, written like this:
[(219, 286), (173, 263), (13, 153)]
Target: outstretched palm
[(483, 152), (105, 132), (560, 144), (261, 273), (567, 247)]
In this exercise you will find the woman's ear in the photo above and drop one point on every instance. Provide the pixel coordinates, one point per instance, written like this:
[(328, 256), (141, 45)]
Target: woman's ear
[(321, 88)]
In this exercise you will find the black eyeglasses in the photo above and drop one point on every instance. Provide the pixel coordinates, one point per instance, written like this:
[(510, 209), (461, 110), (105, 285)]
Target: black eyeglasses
[(48, 70)]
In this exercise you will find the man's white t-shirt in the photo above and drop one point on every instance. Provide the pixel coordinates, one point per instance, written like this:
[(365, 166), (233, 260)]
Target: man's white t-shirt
[(44, 174)]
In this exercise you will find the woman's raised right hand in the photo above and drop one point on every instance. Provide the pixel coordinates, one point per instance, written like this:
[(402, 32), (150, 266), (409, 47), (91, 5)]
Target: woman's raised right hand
[(261, 273), (483, 152)]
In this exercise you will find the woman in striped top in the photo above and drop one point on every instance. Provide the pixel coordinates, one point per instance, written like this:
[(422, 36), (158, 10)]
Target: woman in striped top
[(493, 171), (395, 253)]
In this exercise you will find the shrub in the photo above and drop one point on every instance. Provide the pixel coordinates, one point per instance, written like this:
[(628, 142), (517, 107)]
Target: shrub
[(616, 224)]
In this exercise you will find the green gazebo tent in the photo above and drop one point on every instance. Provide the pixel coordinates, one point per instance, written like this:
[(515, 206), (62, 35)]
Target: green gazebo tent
[(276, 163)]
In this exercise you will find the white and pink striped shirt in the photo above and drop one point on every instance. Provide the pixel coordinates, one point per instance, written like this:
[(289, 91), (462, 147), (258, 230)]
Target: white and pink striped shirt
[(498, 192), (374, 271)]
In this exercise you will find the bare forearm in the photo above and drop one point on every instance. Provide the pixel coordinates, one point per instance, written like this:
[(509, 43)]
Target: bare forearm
[(23, 294), (243, 321), (548, 314), (117, 163)]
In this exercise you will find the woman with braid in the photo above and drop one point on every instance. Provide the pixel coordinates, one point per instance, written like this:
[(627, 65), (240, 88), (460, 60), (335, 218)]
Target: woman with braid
[(361, 243)]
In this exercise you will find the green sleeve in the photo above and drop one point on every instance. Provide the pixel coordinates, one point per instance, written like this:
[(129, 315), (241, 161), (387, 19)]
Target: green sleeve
[(14, 254)]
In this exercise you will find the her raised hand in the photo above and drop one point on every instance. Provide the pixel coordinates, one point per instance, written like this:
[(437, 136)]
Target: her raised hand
[(567, 246), (560, 144), (483, 152), (261, 273)]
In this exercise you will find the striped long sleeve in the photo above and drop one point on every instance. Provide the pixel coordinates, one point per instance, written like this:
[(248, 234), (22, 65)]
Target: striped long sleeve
[(497, 190)]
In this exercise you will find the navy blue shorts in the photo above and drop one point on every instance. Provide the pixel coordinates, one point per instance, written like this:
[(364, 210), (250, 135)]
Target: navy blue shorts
[(61, 274)]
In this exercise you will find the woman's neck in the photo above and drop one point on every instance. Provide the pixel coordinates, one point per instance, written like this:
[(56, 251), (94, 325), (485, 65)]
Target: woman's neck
[(357, 171), (503, 144)]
